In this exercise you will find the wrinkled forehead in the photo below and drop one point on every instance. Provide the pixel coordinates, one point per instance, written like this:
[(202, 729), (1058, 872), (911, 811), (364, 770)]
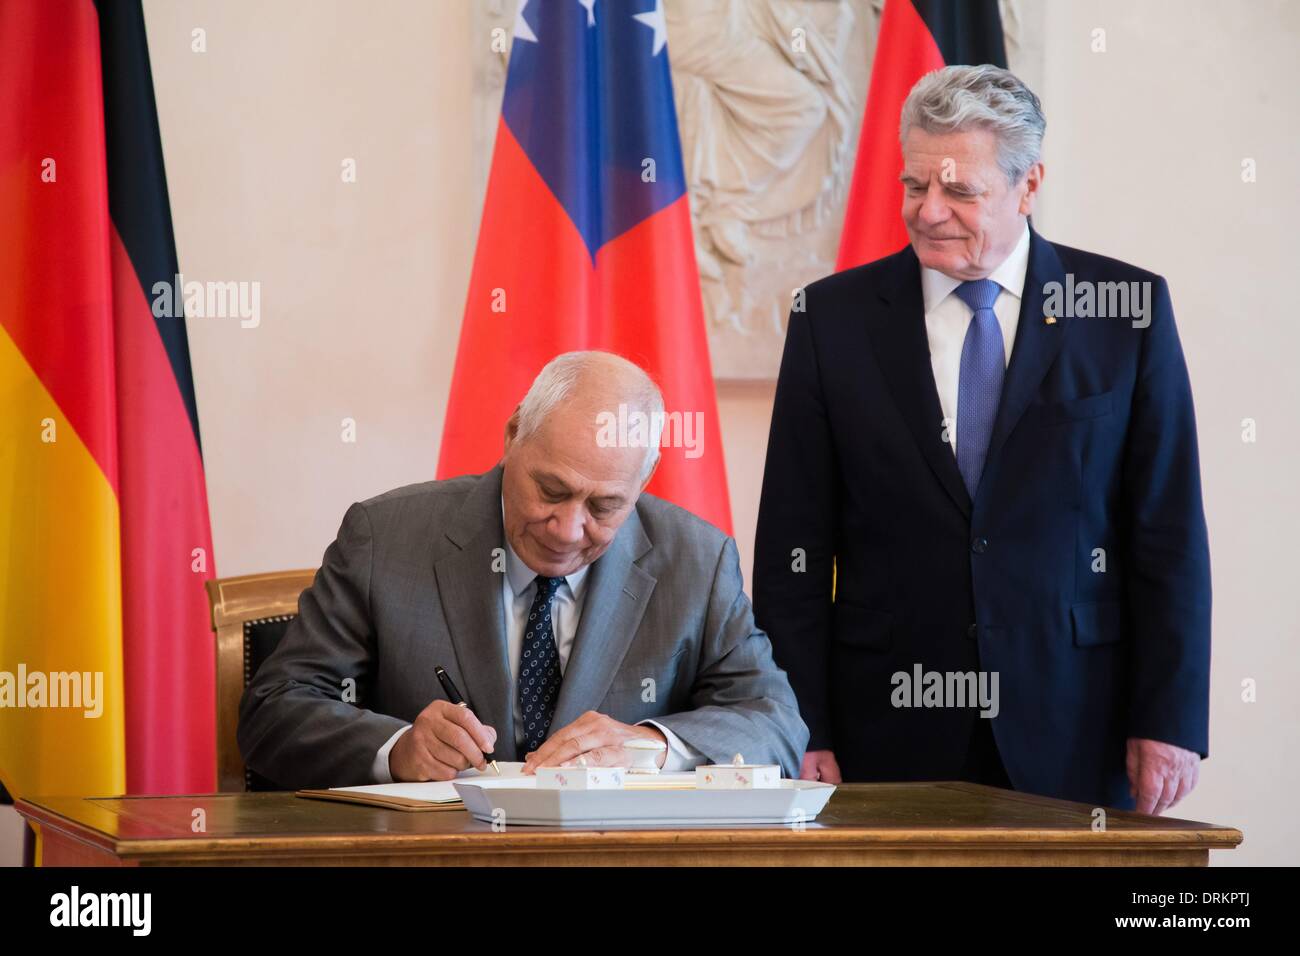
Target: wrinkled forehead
[(590, 446), (971, 151)]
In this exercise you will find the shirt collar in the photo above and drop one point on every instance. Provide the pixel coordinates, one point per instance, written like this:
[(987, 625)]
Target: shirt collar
[(521, 575), (1010, 274)]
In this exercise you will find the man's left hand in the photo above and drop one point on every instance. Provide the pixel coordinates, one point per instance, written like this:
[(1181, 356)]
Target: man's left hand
[(597, 738), (1160, 774)]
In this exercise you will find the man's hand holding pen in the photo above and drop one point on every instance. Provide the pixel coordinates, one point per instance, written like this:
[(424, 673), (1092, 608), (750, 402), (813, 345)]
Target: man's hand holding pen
[(444, 740)]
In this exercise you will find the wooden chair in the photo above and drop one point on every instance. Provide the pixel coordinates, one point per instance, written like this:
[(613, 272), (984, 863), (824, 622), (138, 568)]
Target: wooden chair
[(249, 616)]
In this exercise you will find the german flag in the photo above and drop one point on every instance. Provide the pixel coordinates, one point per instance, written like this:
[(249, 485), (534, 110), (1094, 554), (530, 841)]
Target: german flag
[(916, 38), (106, 660)]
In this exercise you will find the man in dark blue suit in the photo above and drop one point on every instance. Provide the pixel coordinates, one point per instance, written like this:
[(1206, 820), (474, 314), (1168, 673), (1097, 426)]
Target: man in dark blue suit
[(981, 549)]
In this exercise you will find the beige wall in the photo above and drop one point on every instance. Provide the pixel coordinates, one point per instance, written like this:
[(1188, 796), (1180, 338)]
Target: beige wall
[(363, 284), (1144, 150)]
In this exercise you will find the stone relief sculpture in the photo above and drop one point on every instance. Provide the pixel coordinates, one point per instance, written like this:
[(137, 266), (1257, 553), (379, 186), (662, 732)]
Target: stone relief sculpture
[(767, 115), (769, 99)]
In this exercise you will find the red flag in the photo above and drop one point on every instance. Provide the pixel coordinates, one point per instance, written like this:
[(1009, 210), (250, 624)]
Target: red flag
[(916, 37), (586, 243)]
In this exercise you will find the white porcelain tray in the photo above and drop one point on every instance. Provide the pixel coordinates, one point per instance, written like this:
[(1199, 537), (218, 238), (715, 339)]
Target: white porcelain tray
[(795, 801)]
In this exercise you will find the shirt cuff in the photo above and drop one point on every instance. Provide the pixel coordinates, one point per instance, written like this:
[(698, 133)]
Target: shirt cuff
[(681, 755), (379, 769)]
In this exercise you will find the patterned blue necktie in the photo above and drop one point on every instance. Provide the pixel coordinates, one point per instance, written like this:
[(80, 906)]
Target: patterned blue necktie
[(539, 667), (979, 388)]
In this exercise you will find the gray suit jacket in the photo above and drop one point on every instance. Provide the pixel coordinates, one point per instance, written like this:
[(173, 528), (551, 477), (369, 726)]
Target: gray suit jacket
[(410, 584)]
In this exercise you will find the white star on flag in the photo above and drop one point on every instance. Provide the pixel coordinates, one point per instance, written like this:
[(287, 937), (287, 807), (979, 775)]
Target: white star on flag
[(590, 7), (522, 30), (655, 21)]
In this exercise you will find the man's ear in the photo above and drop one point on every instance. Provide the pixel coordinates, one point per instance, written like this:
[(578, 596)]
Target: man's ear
[(653, 469), (512, 429), (1033, 182)]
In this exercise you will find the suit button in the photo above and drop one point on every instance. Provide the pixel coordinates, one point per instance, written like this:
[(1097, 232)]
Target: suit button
[(980, 545), (972, 632)]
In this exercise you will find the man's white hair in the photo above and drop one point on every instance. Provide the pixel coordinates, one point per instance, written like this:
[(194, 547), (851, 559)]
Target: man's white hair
[(959, 98), (555, 382)]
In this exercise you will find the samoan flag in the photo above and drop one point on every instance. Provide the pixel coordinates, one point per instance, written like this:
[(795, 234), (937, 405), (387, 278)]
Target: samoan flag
[(586, 241)]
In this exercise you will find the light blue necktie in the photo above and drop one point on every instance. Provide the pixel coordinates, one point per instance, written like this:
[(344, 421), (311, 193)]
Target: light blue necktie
[(539, 667), (979, 387)]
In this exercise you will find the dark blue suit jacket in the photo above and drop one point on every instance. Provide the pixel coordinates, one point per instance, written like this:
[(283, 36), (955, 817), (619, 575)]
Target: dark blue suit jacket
[(1094, 447)]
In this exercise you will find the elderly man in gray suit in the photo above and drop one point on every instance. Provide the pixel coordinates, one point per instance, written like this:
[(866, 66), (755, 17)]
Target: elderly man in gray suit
[(574, 612)]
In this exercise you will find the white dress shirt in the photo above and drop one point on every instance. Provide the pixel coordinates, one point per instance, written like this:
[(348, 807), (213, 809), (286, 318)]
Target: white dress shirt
[(518, 588), (947, 317)]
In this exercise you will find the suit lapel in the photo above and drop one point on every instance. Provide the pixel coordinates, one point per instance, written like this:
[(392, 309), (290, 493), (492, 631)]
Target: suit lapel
[(903, 349), (471, 602), (617, 594), (1037, 343)]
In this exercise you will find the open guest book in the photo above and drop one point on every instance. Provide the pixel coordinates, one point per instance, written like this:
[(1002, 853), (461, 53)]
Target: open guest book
[(430, 795)]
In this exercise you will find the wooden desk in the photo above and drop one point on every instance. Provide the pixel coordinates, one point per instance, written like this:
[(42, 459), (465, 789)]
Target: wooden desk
[(920, 824)]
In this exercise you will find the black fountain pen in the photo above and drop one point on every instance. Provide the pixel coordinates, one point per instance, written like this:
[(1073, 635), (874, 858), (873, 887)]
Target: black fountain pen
[(453, 695)]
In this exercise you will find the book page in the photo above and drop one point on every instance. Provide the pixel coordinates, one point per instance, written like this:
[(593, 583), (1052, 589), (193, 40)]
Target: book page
[(441, 791)]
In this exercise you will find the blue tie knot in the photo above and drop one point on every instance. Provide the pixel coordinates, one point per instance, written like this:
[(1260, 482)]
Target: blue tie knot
[(546, 587), (979, 293)]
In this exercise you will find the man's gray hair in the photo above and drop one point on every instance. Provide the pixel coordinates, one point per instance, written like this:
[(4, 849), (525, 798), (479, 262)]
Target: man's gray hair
[(959, 98), (554, 384)]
